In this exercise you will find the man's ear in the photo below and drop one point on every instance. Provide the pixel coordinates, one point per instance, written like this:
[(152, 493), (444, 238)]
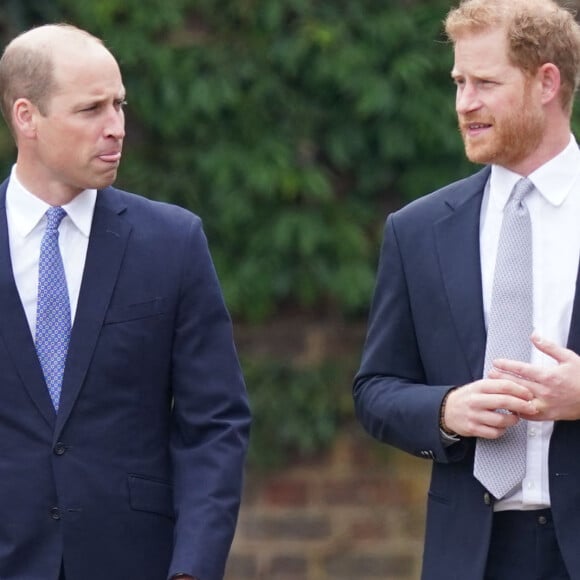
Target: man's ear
[(549, 77), (24, 115)]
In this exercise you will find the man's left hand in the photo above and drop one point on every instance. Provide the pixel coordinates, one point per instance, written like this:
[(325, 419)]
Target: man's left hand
[(556, 388)]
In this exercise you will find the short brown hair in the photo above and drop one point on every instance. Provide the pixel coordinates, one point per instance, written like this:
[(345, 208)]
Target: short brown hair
[(27, 69), (538, 32)]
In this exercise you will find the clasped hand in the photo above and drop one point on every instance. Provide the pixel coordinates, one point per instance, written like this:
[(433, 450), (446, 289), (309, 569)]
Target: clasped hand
[(523, 390)]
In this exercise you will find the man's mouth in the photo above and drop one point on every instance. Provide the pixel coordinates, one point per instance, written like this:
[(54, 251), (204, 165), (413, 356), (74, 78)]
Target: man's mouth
[(112, 157), (473, 129)]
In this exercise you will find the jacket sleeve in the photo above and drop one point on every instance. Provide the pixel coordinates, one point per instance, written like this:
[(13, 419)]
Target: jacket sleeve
[(392, 399), (211, 419)]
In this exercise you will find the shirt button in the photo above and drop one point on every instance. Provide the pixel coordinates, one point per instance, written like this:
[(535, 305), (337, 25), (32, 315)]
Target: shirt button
[(55, 513), (533, 432), (530, 485)]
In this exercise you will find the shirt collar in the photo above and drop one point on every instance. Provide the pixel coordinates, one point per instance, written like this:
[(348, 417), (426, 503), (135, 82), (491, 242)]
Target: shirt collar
[(27, 209), (554, 180)]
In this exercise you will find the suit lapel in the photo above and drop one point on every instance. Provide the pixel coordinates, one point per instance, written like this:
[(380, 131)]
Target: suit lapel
[(14, 327), (457, 241), (107, 244)]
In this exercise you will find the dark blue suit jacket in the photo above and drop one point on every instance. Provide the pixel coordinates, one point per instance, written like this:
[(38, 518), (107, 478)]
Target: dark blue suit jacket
[(427, 334), (140, 473)]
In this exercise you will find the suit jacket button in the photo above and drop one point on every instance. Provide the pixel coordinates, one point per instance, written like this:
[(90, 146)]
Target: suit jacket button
[(487, 498), (60, 448), (55, 513)]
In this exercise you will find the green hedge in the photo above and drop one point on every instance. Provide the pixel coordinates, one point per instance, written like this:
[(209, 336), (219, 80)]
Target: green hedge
[(297, 411), (292, 127)]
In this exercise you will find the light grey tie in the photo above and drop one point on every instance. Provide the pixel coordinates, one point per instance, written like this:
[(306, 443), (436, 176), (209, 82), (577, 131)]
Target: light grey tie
[(500, 464)]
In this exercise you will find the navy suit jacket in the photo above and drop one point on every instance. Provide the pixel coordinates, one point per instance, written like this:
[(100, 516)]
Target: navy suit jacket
[(427, 334), (139, 474)]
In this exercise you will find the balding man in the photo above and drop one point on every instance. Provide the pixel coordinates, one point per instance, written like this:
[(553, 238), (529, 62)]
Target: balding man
[(123, 412)]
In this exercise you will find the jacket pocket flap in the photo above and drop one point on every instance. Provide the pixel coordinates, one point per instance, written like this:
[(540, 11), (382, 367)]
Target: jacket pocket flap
[(136, 311), (151, 495)]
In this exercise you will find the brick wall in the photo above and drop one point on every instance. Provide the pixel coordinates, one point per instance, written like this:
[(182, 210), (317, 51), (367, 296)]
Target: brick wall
[(355, 513)]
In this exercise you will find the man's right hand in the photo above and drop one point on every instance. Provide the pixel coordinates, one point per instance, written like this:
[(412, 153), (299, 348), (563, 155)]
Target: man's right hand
[(472, 410)]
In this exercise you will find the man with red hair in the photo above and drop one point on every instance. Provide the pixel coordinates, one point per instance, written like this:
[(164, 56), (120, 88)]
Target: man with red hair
[(471, 358)]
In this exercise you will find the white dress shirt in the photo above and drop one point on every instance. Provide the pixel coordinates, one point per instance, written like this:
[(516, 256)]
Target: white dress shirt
[(26, 225), (554, 208)]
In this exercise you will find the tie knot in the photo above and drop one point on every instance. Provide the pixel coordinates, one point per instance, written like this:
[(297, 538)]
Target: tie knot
[(54, 216), (522, 188)]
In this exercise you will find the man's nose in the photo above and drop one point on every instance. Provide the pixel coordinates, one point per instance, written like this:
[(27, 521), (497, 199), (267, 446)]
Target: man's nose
[(467, 99), (115, 126)]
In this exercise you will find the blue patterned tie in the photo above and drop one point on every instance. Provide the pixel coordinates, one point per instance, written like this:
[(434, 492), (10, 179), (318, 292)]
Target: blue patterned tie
[(53, 319)]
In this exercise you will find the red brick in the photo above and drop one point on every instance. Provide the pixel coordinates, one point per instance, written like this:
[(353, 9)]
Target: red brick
[(241, 567), (295, 527), (371, 528), (289, 567), (369, 491), (286, 493), (346, 566)]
